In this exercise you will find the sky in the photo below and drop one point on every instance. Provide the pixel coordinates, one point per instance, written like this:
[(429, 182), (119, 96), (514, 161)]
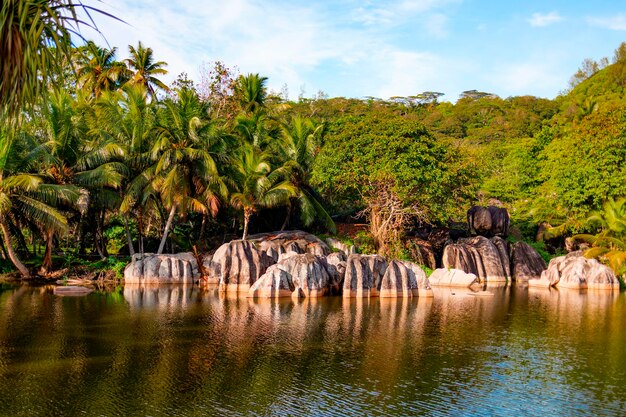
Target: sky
[(384, 48)]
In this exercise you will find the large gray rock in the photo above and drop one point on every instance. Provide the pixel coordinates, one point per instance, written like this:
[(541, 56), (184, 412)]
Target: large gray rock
[(575, 271), (300, 275), (488, 221), (336, 264), (237, 265), (309, 274), (149, 268), (526, 262), (485, 258), (404, 279), (363, 275), (275, 283), (444, 277)]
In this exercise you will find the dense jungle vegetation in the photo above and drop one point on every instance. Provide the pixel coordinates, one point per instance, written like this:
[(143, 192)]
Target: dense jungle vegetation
[(99, 157)]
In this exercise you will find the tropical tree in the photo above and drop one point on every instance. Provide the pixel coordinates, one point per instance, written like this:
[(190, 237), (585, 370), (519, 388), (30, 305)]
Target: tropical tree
[(609, 244), (27, 198), (251, 92), (35, 36), (185, 172), (124, 124), (301, 140), (256, 185), (60, 151), (98, 70), (145, 69)]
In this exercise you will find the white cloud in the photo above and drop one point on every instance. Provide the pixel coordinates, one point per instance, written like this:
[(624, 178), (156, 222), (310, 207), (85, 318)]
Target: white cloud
[(404, 73), (525, 77), (617, 22), (542, 20), (436, 25)]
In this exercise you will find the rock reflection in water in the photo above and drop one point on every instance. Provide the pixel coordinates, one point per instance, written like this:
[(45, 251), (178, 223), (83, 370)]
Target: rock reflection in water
[(171, 350)]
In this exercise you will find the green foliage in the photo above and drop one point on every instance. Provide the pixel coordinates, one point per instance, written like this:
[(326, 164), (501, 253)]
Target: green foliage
[(360, 150), (364, 242), (540, 247)]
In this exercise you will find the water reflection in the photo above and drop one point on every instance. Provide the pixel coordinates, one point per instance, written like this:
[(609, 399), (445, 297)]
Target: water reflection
[(172, 350)]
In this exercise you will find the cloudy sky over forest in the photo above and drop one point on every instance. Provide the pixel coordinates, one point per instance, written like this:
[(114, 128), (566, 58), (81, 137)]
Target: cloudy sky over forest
[(385, 48)]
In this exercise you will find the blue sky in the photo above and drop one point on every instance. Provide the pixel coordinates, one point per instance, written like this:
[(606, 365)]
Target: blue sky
[(376, 48)]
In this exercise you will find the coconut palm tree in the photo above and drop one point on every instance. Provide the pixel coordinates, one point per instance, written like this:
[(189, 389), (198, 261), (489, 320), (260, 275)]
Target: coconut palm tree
[(251, 92), (612, 217), (27, 197), (610, 243), (35, 37), (60, 152), (256, 185), (124, 122), (300, 140), (144, 68), (98, 70), (184, 170)]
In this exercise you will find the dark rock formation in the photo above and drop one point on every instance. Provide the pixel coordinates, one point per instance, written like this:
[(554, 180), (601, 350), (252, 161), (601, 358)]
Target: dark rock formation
[(404, 279), (488, 221), (526, 262), (237, 265), (575, 271), (487, 259), (363, 275), (421, 251), (181, 268)]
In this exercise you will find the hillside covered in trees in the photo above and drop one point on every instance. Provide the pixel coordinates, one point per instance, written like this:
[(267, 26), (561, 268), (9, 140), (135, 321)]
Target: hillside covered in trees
[(111, 161)]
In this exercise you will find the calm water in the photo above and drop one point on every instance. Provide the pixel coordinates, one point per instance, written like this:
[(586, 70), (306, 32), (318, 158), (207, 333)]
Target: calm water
[(189, 352)]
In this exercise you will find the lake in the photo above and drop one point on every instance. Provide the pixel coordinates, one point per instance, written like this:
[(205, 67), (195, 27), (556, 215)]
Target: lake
[(189, 351)]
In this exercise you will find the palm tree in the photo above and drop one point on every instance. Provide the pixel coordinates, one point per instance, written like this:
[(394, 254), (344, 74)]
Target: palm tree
[(141, 63), (301, 139), (251, 92), (256, 186), (35, 37), (26, 197), (612, 217), (124, 123), (184, 171), (59, 152), (610, 243), (98, 70)]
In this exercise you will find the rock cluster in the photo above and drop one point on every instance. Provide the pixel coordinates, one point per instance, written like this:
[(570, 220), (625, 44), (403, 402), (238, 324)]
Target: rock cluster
[(181, 268), (494, 260), (297, 264), (575, 271)]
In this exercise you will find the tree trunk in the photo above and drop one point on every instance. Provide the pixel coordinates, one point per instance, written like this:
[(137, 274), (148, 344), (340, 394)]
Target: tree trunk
[(80, 240), (246, 220), (140, 229), (46, 265), (12, 255), (170, 218), (103, 242), (202, 228), (131, 248), (286, 222), (4, 250)]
